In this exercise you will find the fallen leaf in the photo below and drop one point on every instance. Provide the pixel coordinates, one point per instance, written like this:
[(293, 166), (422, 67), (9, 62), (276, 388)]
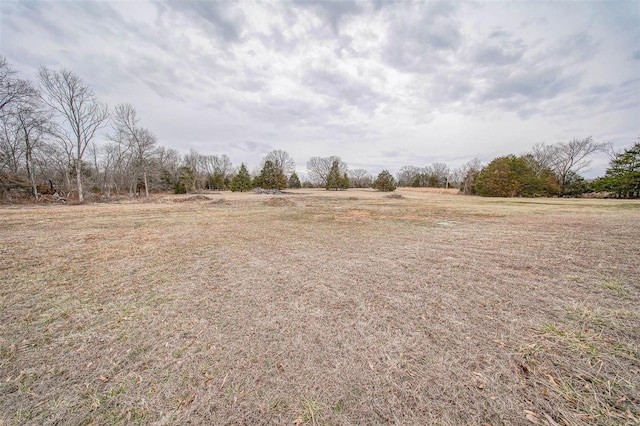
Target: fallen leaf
[(103, 379)]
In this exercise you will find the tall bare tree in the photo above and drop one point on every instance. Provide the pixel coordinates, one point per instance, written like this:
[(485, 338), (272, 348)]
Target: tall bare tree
[(33, 123), (572, 157), (12, 90), (81, 113), (281, 160), (360, 178), (318, 168)]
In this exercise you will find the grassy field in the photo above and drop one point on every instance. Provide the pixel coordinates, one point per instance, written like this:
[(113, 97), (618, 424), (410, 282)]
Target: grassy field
[(316, 307)]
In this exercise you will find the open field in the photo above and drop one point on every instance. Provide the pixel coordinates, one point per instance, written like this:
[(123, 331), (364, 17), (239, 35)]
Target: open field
[(319, 307)]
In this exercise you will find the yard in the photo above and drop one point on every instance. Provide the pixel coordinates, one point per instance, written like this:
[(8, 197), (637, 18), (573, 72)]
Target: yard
[(321, 307)]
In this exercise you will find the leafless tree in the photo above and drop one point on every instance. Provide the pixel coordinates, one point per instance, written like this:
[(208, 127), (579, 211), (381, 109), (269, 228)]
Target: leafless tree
[(571, 158), (440, 173), (12, 90), (194, 161), (407, 175), (81, 112), (281, 160), (541, 157), (360, 178), (11, 146), (318, 168), (33, 123), (139, 142), (469, 173)]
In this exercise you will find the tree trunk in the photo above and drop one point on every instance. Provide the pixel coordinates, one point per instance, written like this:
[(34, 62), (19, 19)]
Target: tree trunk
[(79, 180), (146, 184)]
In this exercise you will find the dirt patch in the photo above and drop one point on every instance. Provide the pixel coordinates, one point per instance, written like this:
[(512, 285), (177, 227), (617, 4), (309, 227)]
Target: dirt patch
[(278, 202), (191, 198)]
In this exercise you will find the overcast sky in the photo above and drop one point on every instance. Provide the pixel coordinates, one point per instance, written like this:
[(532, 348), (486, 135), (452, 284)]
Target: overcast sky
[(380, 84)]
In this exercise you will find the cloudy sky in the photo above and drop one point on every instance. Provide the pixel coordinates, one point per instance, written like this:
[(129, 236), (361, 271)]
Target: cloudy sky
[(380, 84)]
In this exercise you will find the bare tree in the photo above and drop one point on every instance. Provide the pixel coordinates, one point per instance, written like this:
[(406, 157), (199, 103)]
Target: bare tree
[(469, 173), (11, 146), (440, 174), (408, 175), (318, 168), (33, 123), (82, 114), (139, 142), (360, 178), (281, 160), (12, 90), (572, 157), (194, 161)]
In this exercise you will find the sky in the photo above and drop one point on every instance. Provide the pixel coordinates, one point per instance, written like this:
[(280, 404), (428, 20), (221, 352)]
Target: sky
[(380, 84)]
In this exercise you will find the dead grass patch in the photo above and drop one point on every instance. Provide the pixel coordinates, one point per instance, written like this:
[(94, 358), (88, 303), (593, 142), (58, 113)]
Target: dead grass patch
[(340, 311)]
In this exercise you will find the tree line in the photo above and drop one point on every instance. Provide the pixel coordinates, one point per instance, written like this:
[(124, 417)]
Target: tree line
[(48, 145)]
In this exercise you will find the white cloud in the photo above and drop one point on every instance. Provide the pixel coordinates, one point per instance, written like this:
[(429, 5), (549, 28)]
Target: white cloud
[(380, 84)]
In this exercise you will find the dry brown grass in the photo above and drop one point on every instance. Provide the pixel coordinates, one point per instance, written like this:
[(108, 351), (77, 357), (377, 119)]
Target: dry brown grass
[(321, 308)]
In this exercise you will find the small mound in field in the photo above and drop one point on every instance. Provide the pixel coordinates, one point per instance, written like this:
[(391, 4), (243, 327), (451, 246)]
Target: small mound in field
[(278, 202), (220, 201), (394, 195), (192, 198)]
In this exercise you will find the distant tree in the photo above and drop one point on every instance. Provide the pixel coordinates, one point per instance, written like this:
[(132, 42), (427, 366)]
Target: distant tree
[(281, 160), (25, 122), (512, 176), (139, 143), (573, 156), (318, 169), (241, 181), (80, 110), (345, 183), (576, 186), (541, 157), (33, 123), (384, 182), (270, 177), (185, 181), (409, 176), (470, 172), (359, 178), (335, 180), (218, 169), (12, 90), (439, 175), (294, 181), (622, 178)]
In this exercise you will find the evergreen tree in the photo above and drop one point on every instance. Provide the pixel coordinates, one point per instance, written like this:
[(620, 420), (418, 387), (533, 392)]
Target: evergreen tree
[(623, 175), (271, 177), (294, 181), (186, 180), (345, 183), (216, 181), (242, 181), (513, 176), (384, 182), (334, 180)]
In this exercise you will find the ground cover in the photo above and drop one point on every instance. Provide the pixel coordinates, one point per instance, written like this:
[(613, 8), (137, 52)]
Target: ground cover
[(318, 307)]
